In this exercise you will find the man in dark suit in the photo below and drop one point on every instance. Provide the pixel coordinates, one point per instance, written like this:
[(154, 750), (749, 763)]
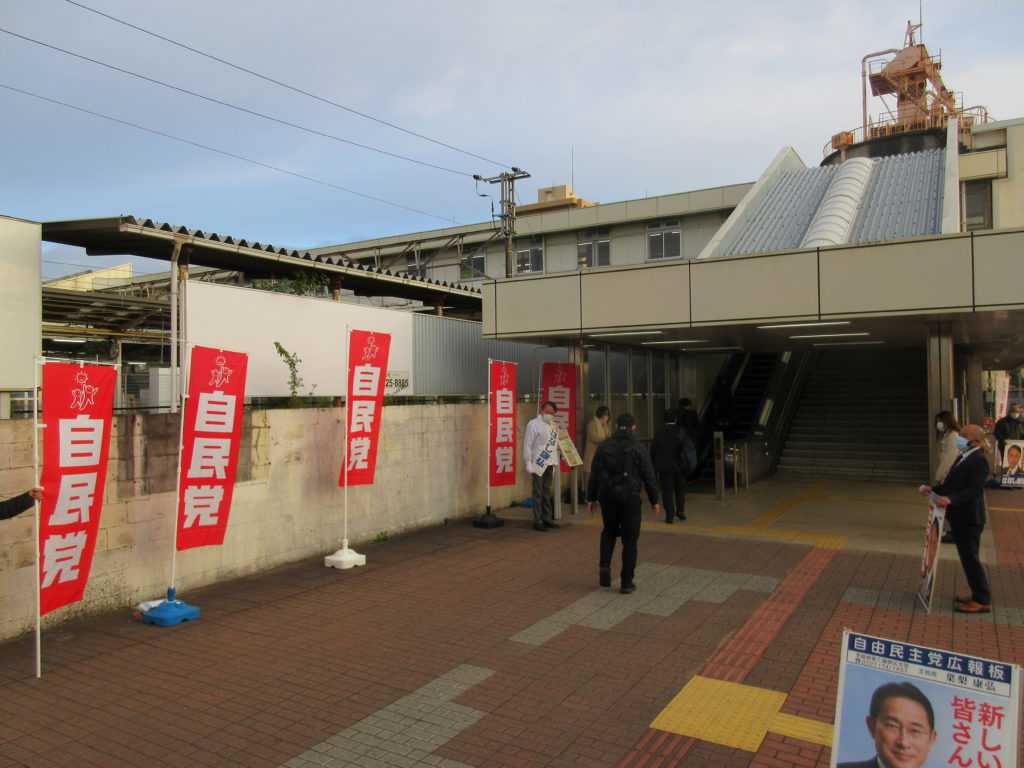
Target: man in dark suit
[(902, 723), (962, 494)]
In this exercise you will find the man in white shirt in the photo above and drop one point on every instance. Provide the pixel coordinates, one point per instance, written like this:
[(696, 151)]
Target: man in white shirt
[(540, 449)]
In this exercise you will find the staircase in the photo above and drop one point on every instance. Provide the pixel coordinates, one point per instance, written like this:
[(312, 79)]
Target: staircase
[(863, 415)]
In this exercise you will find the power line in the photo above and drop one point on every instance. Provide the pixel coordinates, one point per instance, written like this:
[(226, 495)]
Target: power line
[(229, 154), (233, 106), (289, 87)]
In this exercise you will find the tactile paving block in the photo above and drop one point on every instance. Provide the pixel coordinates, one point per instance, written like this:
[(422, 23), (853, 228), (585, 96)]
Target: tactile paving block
[(720, 712)]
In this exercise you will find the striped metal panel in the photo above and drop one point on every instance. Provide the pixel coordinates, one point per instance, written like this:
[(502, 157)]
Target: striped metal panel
[(780, 216), (903, 198), (450, 357)]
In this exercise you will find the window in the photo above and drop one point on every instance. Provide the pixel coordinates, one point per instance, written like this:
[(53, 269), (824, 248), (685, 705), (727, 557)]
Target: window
[(593, 248), (529, 256), (471, 267), (664, 240), (978, 204)]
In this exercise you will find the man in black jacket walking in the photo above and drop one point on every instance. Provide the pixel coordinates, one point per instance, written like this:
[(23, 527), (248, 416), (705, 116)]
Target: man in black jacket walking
[(666, 456), (621, 467)]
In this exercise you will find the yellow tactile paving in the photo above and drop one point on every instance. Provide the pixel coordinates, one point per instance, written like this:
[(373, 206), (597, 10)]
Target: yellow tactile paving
[(735, 715), (721, 712), (802, 728)]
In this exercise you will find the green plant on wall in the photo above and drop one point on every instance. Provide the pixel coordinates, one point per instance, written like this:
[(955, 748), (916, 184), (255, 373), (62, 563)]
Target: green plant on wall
[(294, 380)]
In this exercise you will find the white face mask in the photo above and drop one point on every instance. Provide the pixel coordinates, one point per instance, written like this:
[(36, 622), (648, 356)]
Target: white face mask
[(940, 426), (548, 417)]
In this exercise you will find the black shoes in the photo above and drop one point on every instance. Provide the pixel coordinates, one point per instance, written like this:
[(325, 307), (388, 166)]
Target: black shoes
[(539, 527), (550, 524), (627, 589), (605, 577)]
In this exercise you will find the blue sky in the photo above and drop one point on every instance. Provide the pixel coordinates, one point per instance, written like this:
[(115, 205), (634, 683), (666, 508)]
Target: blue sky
[(621, 100)]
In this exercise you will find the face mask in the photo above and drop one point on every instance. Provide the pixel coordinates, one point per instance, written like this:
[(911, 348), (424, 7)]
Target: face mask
[(548, 417), (1018, 415), (962, 444), (940, 426)]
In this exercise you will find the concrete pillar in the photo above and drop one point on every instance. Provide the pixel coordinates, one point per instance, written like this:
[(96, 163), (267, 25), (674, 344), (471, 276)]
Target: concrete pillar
[(974, 394), (940, 378)]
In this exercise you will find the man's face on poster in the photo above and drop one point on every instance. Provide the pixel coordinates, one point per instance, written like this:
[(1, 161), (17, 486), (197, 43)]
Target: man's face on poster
[(1013, 458), (903, 737)]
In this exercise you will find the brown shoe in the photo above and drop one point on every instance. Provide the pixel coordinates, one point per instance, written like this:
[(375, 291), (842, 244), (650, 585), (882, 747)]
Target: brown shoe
[(968, 598), (973, 607)]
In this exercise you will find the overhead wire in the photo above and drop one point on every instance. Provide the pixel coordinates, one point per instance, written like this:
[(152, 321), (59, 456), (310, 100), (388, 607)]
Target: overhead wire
[(233, 106), (286, 85), (229, 154)]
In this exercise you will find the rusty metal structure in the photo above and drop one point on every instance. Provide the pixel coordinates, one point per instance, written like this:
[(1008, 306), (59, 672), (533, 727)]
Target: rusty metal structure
[(915, 99)]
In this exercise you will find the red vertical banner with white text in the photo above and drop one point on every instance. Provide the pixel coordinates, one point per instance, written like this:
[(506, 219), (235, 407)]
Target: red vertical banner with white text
[(209, 447), (503, 423), (558, 384), (78, 405), (364, 402)]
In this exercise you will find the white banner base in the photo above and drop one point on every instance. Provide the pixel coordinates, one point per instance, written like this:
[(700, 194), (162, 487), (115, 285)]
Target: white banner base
[(344, 558)]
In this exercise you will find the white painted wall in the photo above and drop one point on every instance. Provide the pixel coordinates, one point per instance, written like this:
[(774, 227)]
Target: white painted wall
[(244, 320)]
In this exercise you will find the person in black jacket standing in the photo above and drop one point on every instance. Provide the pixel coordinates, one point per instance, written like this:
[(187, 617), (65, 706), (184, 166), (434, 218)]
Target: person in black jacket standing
[(620, 468), (962, 493), (17, 505), (666, 456)]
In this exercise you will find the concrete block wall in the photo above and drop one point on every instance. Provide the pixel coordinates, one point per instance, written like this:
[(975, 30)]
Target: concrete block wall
[(287, 506)]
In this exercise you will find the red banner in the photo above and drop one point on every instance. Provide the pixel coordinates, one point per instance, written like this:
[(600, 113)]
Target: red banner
[(558, 384), (367, 371), (503, 423), (209, 447), (78, 404)]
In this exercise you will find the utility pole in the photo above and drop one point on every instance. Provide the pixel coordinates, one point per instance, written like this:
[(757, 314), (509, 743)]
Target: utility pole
[(508, 211)]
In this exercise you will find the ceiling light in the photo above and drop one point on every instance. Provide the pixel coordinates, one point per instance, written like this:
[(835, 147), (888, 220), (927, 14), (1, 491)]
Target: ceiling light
[(829, 335), (677, 341), (627, 333), (69, 341), (716, 349), (844, 343), (805, 325)]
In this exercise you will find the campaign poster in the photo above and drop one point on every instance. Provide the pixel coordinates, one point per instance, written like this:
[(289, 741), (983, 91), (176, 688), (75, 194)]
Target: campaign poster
[(364, 403), (211, 435), (930, 557), (78, 407), (503, 423), (921, 707), (558, 384), (1012, 470)]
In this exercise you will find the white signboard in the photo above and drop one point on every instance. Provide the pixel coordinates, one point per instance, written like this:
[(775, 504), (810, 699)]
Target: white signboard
[(250, 321), (914, 706)]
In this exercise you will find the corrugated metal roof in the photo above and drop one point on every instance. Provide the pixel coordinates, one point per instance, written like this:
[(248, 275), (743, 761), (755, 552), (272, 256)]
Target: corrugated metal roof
[(778, 219), (902, 198)]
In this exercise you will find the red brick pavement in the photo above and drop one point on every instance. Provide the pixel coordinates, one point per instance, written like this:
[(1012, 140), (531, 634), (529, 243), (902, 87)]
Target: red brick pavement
[(283, 661)]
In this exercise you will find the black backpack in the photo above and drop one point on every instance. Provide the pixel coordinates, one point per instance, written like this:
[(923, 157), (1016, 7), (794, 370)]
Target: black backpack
[(619, 468), (687, 452)]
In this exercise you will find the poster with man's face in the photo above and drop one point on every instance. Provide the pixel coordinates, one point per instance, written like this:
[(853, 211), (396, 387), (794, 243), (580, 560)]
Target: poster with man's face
[(930, 557), (1012, 467), (907, 706)]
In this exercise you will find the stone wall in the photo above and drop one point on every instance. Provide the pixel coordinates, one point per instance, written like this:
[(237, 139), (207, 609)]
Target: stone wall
[(431, 468)]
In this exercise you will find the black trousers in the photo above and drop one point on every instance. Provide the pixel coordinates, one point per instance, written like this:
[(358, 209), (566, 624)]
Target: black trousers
[(968, 545), (673, 494), (621, 520)]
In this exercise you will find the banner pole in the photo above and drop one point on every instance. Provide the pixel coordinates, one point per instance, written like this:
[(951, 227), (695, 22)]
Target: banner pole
[(345, 557), (35, 519), (488, 519)]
